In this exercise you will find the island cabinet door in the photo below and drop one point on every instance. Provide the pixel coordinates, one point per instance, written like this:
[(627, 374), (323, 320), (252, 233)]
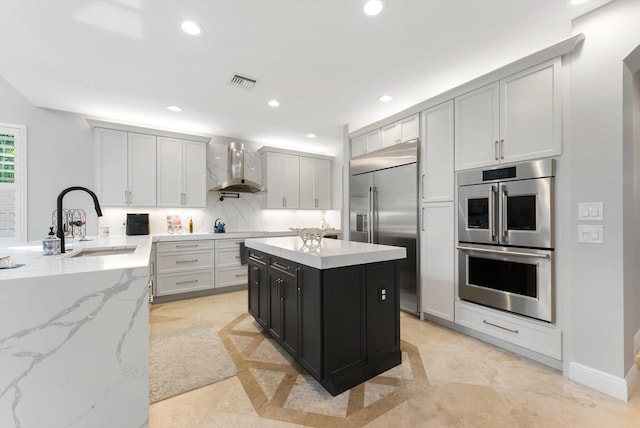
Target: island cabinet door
[(383, 309), (258, 291), (310, 320), (344, 299), (289, 299), (274, 311)]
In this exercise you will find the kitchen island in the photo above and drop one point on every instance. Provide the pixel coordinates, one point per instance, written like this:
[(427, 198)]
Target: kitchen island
[(74, 335), (335, 307)]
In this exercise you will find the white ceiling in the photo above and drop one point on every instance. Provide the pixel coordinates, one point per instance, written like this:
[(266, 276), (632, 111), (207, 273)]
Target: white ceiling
[(324, 60)]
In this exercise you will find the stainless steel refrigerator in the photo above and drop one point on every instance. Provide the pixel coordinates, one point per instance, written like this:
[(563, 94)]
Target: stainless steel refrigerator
[(383, 209)]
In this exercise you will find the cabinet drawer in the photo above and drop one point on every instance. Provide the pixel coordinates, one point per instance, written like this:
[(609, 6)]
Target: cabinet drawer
[(174, 246), (180, 262), (528, 334), (282, 265), (231, 276), (173, 284), (228, 243), (227, 257)]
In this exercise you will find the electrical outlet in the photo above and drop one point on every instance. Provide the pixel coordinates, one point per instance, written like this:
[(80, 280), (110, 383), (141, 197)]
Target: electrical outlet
[(382, 294)]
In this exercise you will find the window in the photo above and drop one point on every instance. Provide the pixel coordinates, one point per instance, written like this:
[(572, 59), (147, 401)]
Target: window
[(13, 184)]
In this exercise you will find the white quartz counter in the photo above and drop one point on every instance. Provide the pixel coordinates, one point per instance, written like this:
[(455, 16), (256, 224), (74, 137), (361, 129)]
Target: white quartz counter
[(226, 235), (37, 265), (332, 253)]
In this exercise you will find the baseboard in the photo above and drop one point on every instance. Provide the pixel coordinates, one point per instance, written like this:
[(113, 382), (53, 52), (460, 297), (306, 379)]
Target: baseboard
[(636, 342), (614, 386)]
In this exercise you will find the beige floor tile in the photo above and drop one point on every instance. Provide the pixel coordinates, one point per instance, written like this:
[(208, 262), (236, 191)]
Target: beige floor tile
[(170, 414), (215, 419)]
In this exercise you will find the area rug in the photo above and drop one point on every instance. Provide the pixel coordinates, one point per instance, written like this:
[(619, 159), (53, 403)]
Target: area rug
[(280, 389), (186, 359)]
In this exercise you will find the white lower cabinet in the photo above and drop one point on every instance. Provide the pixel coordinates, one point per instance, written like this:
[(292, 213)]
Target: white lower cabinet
[(529, 334), (229, 270), (184, 266), (437, 260)]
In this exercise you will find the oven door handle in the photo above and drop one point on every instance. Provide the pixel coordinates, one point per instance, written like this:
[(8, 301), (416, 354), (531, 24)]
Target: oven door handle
[(505, 253), (492, 213)]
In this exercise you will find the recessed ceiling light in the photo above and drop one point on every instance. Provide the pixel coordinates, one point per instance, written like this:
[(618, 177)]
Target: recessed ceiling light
[(373, 7), (311, 135), (190, 27), (174, 108), (385, 98), (274, 103)]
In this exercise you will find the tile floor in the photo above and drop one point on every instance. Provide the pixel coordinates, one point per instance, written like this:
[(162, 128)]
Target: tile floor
[(470, 384)]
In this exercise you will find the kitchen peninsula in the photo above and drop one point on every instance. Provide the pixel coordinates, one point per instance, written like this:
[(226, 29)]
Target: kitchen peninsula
[(74, 335), (334, 307)]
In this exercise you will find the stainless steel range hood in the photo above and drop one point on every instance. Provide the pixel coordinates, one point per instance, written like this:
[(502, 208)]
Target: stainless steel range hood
[(235, 168)]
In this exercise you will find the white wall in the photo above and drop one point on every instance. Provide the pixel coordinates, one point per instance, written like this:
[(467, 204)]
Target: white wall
[(60, 155), (636, 192), (595, 152)]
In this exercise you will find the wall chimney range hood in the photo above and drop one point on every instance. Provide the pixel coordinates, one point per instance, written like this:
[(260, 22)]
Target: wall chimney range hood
[(235, 170)]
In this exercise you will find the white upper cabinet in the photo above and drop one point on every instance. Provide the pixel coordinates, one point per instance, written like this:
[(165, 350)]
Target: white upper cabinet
[(126, 168), (436, 154), (406, 129), (282, 177), (517, 118), (315, 183), (365, 143), (181, 173)]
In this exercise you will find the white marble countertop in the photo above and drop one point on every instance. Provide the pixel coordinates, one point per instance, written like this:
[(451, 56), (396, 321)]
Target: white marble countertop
[(37, 265), (331, 254), (226, 235)]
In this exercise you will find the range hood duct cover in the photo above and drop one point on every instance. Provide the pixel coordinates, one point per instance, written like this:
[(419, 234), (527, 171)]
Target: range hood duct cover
[(235, 168)]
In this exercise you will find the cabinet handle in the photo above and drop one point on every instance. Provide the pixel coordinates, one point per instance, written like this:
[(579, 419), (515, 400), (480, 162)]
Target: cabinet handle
[(423, 219), (495, 149), (278, 265), (187, 282), (241, 274), (284, 202), (237, 257), (187, 261), (187, 246), (501, 149), (422, 182), (152, 268), (255, 256), (499, 326)]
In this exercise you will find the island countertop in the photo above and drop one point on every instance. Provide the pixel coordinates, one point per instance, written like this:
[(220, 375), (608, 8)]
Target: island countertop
[(332, 253)]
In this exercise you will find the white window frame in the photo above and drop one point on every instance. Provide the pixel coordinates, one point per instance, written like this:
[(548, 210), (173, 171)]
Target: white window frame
[(20, 132)]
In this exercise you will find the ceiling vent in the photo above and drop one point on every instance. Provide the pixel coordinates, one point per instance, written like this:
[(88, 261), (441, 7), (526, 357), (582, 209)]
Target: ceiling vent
[(242, 81)]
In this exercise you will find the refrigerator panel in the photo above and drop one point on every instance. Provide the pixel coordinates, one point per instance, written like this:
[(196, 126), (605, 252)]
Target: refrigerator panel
[(359, 215), (396, 223)]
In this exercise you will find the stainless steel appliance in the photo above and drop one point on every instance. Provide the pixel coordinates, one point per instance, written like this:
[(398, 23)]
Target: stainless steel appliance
[(384, 209), (235, 170), (506, 237)]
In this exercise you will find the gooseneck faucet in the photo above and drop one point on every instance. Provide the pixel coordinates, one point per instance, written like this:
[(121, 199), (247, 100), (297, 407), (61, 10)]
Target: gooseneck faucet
[(60, 232)]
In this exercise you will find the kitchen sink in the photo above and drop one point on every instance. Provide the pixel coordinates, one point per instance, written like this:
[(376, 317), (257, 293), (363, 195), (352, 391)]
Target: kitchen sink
[(104, 252)]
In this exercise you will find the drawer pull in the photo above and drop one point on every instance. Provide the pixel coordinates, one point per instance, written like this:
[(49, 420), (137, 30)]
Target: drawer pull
[(280, 266), (187, 282), (237, 257), (499, 326), (241, 274), (186, 246), (255, 256), (187, 261)]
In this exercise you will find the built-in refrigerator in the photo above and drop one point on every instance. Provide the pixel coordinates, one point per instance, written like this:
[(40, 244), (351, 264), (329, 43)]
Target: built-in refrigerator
[(383, 209)]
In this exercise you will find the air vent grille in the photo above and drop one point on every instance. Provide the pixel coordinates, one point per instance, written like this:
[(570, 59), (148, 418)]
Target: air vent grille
[(242, 81)]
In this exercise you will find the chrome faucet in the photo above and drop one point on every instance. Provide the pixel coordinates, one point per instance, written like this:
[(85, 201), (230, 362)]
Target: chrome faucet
[(60, 232)]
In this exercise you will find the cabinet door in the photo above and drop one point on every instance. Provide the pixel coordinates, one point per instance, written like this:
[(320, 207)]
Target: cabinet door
[(253, 289), (169, 182), (409, 128), (194, 174), (274, 323), (112, 167), (322, 181), (273, 177), (530, 113), (436, 156), (289, 300), (291, 183), (263, 295), (437, 254), (142, 170), (389, 135), (477, 121), (373, 141), (358, 146), (307, 183)]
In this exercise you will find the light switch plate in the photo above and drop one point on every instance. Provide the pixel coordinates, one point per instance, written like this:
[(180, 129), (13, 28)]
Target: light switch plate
[(590, 211), (591, 234)]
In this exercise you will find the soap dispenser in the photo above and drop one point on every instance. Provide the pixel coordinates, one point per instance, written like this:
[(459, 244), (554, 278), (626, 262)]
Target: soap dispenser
[(51, 244)]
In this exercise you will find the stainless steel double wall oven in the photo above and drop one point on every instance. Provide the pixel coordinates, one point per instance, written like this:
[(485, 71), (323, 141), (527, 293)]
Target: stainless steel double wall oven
[(506, 237)]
